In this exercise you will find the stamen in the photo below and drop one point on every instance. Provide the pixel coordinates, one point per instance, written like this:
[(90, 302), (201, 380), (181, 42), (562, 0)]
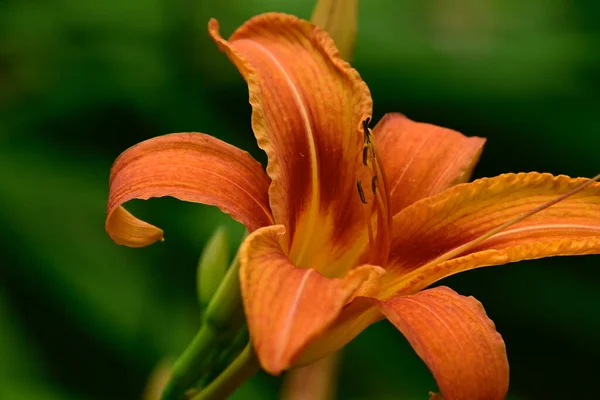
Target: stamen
[(384, 223), (469, 245), (379, 242), (365, 154), (370, 230), (384, 218), (361, 193), (366, 129), (374, 184)]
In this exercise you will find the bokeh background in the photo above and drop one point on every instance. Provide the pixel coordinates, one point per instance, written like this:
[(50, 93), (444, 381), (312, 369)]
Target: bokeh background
[(80, 81)]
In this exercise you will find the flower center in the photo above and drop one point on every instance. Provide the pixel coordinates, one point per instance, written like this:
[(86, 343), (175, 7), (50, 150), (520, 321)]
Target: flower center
[(380, 221)]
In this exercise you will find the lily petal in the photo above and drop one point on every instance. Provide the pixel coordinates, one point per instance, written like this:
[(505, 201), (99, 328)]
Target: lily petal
[(307, 109), (457, 341), (421, 160), (427, 232), (355, 317), (191, 167), (285, 306)]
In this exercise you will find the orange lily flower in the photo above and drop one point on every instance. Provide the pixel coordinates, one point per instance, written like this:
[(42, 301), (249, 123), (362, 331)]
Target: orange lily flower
[(349, 226)]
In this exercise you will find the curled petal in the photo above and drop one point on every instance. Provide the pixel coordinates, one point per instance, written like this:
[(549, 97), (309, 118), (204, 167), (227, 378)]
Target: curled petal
[(307, 109), (421, 160), (191, 167), (286, 307), (428, 233), (457, 341), (124, 228)]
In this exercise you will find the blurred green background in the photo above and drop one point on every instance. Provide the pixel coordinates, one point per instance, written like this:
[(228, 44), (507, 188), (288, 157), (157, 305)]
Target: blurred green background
[(80, 81)]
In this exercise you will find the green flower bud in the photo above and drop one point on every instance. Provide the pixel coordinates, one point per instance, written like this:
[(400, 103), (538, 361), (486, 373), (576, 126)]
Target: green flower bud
[(340, 19), (212, 266)]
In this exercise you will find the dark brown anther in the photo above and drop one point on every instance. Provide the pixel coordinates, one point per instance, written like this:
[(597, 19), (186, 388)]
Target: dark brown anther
[(365, 154), (365, 125), (374, 184), (361, 193)]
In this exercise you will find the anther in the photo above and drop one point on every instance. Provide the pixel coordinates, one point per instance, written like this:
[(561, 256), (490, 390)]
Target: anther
[(366, 129), (361, 193), (365, 154), (374, 184), (366, 123)]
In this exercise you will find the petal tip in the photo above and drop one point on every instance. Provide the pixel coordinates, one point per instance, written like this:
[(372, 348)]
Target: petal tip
[(125, 229), (472, 365), (272, 366), (213, 26)]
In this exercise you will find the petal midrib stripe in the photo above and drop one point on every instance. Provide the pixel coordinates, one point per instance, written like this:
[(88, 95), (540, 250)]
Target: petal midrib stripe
[(313, 208)]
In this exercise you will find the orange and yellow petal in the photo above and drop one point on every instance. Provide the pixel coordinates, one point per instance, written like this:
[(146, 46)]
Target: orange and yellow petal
[(428, 233), (355, 317), (457, 341), (188, 166), (286, 307), (421, 159), (307, 109)]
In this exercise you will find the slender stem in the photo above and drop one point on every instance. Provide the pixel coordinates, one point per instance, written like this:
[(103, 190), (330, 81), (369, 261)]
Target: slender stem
[(227, 301), (189, 364), (223, 314), (241, 369)]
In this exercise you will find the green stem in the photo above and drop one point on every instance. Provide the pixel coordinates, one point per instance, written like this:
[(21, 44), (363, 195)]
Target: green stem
[(223, 314), (189, 364), (240, 370), (227, 301)]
